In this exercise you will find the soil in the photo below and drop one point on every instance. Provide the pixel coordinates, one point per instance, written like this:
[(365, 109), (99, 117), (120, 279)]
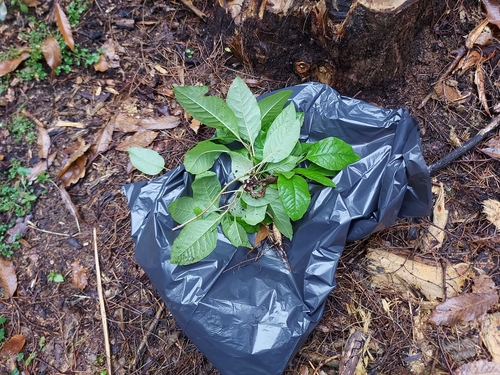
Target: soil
[(152, 58)]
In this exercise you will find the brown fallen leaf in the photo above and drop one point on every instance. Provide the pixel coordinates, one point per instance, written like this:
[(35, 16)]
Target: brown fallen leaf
[(479, 81), (43, 142), (52, 52), (484, 284), (492, 11), (463, 308), (8, 278), (142, 138), (481, 367), (13, 346), (104, 138), (449, 94), (491, 208), (78, 275), (195, 125), (40, 167), (261, 235), (31, 3), (493, 148), (490, 335), (74, 169), (472, 58), (19, 229), (10, 65), (474, 34), (64, 27), (436, 233), (102, 65), (159, 123), (70, 205)]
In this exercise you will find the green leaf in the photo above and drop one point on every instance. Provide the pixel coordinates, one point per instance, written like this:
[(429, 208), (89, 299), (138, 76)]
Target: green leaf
[(258, 146), (282, 136), (210, 110), (235, 233), (271, 195), (323, 171), (247, 227), (315, 176), (240, 165), (244, 105), (254, 215), (201, 157), (281, 218), (182, 209), (195, 241), (286, 165), (206, 187), (272, 105), (332, 153), (294, 195), (288, 174), (146, 160)]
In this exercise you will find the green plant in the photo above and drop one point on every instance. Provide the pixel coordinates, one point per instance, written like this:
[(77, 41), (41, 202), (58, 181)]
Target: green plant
[(20, 4), (270, 169), (75, 11), (55, 277), (21, 129), (3, 319)]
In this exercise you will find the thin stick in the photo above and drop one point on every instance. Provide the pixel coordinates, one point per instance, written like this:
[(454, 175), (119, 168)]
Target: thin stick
[(144, 340), (101, 304), (193, 9), (459, 151)]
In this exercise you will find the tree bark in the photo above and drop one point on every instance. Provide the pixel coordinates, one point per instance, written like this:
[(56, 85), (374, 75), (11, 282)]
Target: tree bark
[(348, 44)]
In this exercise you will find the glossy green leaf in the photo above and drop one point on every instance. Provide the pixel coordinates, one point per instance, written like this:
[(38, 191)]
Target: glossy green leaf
[(202, 156), (315, 176), (323, 171), (271, 195), (244, 105), (206, 188), (280, 218), (286, 165), (240, 164), (195, 241), (332, 153), (235, 233), (254, 215), (282, 136), (182, 209), (146, 160), (294, 195), (272, 105), (209, 110)]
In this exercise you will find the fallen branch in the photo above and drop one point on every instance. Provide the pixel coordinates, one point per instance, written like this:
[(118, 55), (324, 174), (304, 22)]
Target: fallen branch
[(459, 151)]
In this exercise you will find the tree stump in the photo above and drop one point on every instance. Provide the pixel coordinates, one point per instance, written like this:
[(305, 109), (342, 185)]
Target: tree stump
[(348, 44)]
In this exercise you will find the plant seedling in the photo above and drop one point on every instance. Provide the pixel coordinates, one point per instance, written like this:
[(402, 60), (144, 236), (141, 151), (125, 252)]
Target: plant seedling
[(55, 277), (270, 169)]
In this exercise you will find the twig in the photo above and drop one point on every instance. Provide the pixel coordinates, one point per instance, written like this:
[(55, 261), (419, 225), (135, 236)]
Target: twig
[(33, 226), (195, 10), (101, 304), (459, 151), (144, 340)]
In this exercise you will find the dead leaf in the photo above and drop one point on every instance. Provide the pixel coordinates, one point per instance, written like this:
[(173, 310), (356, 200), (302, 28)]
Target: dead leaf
[(111, 48), (78, 275), (8, 278), (481, 367), (104, 138), (491, 208), (492, 11), (69, 203), (472, 58), (43, 142), (10, 65), (140, 139), (31, 3), (40, 167), (52, 52), (449, 94), (159, 123), (261, 235), (463, 308), (485, 38), (64, 27), (435, 236), (493, 148), (13, 346), (195, 125), (402, 271), (474, 34), (484, 284), (102, 65), (490, 335), (455, 141), (19, 228), (479, 81), (74, 169)]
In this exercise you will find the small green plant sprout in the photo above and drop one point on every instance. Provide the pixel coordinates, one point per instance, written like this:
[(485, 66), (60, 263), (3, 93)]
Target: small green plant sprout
[(270, 169), (55, 277)]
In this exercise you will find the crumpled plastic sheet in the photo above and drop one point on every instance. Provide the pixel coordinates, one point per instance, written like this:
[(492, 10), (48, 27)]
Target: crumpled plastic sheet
[(251, 316)]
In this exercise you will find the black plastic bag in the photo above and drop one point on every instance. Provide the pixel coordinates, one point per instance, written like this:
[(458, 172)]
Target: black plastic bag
[(252, 316)]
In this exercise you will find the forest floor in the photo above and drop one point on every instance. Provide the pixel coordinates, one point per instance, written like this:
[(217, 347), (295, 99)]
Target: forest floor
[(61, 124)]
